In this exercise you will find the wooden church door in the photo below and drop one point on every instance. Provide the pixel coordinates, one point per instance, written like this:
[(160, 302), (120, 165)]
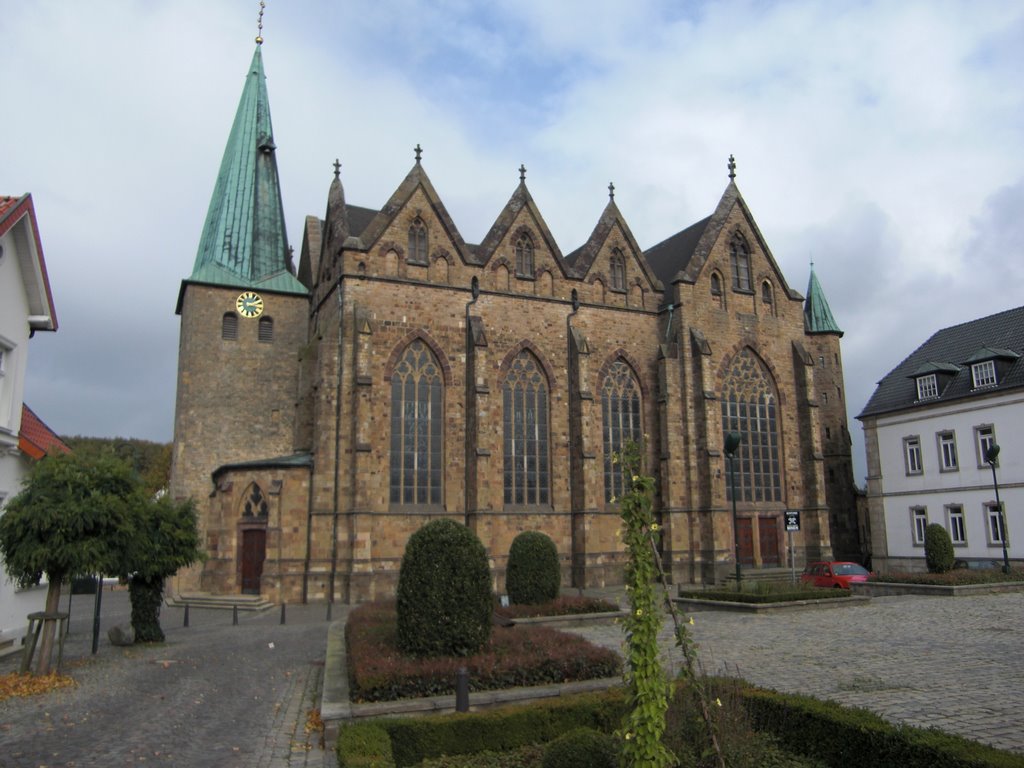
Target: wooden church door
[(745, 535), (254, 551), (768, 538)]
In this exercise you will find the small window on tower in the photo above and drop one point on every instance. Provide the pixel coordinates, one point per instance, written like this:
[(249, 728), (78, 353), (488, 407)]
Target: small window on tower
[(229, 326), (266, 329)]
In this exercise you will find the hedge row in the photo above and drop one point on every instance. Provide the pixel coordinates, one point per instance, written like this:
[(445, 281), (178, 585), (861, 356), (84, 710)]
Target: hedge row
[(514, 656), (825, 731), (415, 739), (566, 605), (766, 597)]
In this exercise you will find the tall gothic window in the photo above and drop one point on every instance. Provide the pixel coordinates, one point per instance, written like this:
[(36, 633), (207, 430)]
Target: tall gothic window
[(749, 406), (524, 256), (618, 271), (739, 260), (620, 411), (418, 242), (416, 422), (527, 463)]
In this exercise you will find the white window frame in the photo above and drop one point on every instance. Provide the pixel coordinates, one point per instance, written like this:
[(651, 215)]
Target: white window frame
[(995, 525), (918, 524), (956, 524), (983, 374), (948, 461), (912, 453), (984, 436), (927, 387)]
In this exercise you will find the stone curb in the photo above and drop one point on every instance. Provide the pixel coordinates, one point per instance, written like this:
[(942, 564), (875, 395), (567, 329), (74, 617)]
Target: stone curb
[(793, 605), (890, 589)]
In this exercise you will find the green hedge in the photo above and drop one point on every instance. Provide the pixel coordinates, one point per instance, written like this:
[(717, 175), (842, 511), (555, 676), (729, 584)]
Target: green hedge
[(364, 745), (767, 597)]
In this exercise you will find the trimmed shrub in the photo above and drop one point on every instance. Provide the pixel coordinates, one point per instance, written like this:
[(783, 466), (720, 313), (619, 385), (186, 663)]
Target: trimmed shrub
[(364, 745), (582, 748), (938, 549), (445, 599), (534, 574)]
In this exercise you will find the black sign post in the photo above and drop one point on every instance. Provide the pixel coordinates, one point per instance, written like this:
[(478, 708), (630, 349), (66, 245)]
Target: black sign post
[(792, 524)]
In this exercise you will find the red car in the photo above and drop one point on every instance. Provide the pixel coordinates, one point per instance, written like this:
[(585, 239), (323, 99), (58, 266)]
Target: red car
[(836, 575)]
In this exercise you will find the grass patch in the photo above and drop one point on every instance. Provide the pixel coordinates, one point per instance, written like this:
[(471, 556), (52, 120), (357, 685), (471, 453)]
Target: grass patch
[(566, 605), (514, 656), (955, 578)]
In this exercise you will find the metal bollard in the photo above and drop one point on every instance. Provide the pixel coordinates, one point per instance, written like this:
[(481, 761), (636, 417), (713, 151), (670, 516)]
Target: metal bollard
[(282, 613), (234, 615), (462, 690), (186, 615)]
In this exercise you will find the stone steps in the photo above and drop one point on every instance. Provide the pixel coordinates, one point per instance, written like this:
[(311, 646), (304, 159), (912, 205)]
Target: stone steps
[(253, 603)]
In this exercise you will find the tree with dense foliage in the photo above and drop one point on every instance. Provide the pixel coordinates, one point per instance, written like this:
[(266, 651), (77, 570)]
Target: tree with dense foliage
[(166, 539), (151, 461), (445, 601), (534, 574), (938, 549), (73, 518)]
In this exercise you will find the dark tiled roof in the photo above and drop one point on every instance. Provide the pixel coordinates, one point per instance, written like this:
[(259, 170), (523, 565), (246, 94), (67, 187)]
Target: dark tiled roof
[(35, 439), (359, 219), (669, 257), (279, 462), (954, 348)]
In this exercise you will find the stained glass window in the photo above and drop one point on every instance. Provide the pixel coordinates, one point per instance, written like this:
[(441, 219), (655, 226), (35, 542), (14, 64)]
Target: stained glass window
[(527, 478), (620, 411), (416, 420)]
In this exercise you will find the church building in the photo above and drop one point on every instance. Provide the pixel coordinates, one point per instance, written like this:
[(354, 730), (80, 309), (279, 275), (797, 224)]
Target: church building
[(399, 374)]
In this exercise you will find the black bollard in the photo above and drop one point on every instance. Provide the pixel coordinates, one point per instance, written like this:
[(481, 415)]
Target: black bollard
[(282, 613), (234, 615), (462, 690), (186, 615)]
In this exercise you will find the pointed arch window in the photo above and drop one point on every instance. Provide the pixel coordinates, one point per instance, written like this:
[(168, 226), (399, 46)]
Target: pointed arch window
[(524, 256), (417, 417), (255, 504), (750, 407), (717, 295), (229, 326), (618, 268), (739, 261), (620, 412), (527, 476), (418, 242)]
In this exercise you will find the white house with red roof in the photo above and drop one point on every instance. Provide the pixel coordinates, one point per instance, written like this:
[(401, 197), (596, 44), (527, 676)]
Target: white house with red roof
[(26, 306)]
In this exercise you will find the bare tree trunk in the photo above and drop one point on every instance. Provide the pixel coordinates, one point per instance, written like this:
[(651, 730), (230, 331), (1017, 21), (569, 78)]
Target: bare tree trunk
[(52, 606)]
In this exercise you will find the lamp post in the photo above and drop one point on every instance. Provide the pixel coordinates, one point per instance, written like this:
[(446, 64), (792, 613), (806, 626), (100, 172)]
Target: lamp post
[(991, 455), (732, 444)]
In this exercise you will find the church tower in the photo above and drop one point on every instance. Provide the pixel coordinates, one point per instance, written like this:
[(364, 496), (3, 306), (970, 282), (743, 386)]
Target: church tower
[(243, 316), (823, 335)]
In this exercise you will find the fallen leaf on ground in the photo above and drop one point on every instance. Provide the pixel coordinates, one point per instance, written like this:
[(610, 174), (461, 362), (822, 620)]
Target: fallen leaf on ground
[(16, 684)]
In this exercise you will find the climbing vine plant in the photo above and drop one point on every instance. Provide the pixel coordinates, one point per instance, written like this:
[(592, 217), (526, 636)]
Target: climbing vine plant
[(649, 688)]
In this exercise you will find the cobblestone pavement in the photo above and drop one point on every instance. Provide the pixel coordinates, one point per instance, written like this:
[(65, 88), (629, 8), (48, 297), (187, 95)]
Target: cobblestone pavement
[(212, 695), (952, 663)]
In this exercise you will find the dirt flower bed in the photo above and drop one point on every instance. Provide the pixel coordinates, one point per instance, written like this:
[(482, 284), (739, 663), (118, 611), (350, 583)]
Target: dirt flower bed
[(514, 656), (567, 605)]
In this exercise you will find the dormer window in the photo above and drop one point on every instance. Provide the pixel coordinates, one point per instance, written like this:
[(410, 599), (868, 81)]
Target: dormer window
[(983, 374), (927, 387)]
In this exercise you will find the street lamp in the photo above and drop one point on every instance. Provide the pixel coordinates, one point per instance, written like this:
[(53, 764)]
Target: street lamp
[(991, 455), (732, 444)]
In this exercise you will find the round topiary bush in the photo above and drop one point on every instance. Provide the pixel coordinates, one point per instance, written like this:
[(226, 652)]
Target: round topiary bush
[(582, 748), (534, 574), (445, 601), (938, 549)]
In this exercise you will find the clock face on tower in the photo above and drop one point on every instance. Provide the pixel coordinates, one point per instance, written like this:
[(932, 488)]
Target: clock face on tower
[(249, 304)]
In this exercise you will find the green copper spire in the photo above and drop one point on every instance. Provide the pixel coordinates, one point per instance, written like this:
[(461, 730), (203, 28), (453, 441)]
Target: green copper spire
[(817, 315), (244, 242)]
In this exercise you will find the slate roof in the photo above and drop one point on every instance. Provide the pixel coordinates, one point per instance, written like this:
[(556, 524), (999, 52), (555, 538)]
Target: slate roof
[(244, 243), (671, 256), (35, 439), (955, 348), (278, 462)]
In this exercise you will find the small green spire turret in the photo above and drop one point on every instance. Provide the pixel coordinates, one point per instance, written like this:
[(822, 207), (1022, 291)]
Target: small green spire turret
[(244, 242), (817, 315)]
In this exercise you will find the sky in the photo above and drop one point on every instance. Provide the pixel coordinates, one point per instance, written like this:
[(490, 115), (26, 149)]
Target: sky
[(884, 141)]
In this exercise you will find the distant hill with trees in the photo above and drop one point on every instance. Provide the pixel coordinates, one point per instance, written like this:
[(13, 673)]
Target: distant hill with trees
[(151, 461)]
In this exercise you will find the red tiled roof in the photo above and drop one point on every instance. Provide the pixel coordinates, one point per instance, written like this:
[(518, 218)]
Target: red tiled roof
[(35, 438), (7, 202)]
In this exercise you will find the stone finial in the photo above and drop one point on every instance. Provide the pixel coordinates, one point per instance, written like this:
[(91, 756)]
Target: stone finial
[(419, 153), (337, 169), (259, 24), (732, 167), (522, 173), (611, 191)]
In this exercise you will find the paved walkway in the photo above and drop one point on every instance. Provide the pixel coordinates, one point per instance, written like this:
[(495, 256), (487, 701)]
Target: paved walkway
[(214, 695), (220, 695), (955, 663)]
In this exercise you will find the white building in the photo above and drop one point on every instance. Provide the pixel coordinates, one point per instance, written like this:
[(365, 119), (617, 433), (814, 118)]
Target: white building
[(26, 306), (927, 428)]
